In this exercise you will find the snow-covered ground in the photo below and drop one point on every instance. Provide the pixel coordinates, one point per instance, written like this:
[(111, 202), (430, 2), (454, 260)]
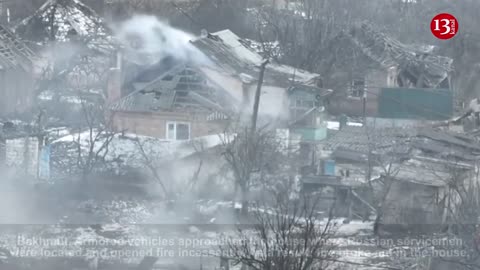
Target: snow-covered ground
[(134, 228), (334, 125), (130, 147)]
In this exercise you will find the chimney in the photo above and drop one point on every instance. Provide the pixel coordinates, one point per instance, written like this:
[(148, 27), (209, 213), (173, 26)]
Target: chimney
[(114, 81)]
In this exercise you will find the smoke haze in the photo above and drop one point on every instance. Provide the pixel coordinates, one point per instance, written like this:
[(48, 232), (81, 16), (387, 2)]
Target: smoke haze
[(147, 40)]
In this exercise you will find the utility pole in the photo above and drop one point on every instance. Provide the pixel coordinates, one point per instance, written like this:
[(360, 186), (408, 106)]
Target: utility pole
[(257, 95), (251, 140)]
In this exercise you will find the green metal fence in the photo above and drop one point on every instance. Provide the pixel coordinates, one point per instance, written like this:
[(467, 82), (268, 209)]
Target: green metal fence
[(415, 103)]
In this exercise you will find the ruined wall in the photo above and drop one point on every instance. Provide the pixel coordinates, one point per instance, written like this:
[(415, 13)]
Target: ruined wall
[(154, 124)]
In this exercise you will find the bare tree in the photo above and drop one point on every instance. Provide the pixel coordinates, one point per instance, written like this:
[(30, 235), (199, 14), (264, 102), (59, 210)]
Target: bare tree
[(462, 204), (250, 155), (151, 165), (92, 144), (387, 164), (286, 233)]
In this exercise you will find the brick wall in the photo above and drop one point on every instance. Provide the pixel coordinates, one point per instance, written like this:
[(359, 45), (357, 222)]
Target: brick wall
[(154, 124), (114, 85), (353, 106)]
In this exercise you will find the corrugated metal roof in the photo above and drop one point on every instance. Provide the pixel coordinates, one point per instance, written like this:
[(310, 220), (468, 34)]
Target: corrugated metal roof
[(423, 174), (401, 141)]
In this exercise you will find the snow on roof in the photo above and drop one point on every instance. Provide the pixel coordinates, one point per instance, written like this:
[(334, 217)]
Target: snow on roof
[(229, 52)]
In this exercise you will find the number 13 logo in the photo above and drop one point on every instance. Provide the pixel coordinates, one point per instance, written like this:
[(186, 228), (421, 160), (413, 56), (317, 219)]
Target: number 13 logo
[(444, 26)]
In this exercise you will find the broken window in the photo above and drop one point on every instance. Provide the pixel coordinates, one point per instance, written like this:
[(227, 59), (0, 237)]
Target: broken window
[(358, 88), (178, 131)]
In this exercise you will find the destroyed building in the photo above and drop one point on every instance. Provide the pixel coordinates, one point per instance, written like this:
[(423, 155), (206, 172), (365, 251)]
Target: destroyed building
[(395, 80), (423, 164), (16, 74), (175, 97), (66, 21), (178, 105), (74, 48), (288, 95)]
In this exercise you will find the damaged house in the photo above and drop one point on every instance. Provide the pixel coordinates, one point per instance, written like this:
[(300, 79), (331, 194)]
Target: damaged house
[(185, 99), (16, 74), (75, 48), (179, 105), (66, 21), (291, 98), (414, 171), (395, 80)]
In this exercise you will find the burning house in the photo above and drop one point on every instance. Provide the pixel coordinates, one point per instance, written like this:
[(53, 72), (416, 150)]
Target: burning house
[(178, 105), (397, 81), (16, 73), (185, 99)]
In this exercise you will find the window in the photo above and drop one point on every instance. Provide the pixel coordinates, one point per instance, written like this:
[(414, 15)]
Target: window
[(358, 88), (178, 131), (304, 104)]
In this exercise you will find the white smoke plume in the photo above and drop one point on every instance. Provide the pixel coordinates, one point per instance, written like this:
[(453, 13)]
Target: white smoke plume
[(147, 40)]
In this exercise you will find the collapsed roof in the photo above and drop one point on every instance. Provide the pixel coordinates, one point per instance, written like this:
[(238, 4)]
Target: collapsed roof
[(13, 52), (230, 54), (65, 20), (182, 87), (419, 66)]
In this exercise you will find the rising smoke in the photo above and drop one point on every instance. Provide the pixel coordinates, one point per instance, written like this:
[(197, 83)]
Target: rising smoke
[(147, 40)]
